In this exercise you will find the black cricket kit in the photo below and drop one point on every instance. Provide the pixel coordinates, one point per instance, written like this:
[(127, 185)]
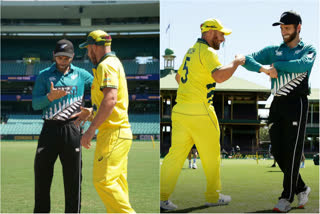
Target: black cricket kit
[(287, 123), (59, 136)]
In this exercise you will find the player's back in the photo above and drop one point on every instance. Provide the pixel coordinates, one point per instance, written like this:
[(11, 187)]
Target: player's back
[(196, 88)]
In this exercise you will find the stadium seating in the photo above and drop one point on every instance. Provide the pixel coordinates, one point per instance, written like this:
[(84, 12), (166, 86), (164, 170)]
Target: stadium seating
[(153, 68), (31, 124), (40, 66), (22, 125), (130, 67), (13, 68), (85, 65), (125, 48)]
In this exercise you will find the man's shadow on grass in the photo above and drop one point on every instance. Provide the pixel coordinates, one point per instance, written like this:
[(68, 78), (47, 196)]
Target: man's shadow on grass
[(271, 211), (187, 210)]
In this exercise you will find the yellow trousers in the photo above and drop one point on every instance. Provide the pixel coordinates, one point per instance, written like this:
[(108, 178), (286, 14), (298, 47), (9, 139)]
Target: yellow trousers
[(203, 131), (110, 169)]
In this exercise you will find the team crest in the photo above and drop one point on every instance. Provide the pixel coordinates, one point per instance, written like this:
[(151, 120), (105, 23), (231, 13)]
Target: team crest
[(279, 53), (52, 79)]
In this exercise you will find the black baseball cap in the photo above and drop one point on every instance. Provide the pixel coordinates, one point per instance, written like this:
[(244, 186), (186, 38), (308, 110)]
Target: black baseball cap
[(288, 18), (64, 48)]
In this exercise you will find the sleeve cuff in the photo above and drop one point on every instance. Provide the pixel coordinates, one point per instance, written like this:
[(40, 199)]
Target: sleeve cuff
[(217, 68), (108, 86)]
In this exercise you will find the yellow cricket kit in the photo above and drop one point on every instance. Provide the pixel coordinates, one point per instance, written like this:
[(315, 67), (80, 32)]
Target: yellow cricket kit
[(110, 74), (196, 82), (194, 122), (114, 138)]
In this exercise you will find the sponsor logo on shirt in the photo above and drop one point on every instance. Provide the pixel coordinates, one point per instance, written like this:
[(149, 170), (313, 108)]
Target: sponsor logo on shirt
[(52, 79), (297, 51), (278, 53), (106, 80), (74, 76), (69, 89)]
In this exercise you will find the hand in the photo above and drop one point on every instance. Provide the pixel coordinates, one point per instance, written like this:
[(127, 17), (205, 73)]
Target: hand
[(83, 116), (270, 71), (87, 137), (55, 93), (273, 72), (240, 59)]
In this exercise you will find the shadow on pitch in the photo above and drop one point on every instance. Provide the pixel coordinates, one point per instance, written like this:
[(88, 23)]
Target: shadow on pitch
[(274, 171), (187, 210), (271, 211)]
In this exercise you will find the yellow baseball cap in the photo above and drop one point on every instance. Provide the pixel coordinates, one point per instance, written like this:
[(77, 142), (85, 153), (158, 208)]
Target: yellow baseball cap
[(214, 24), (97, 37)]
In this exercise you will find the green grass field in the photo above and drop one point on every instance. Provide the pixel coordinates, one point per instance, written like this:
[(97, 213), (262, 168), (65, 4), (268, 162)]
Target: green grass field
[(254, 188), (17, 179)]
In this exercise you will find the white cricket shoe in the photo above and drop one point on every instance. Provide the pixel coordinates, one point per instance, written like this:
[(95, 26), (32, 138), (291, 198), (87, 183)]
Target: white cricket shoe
[(282, 206), (194, 166), (303, 197), (168, 205), (223, 200)]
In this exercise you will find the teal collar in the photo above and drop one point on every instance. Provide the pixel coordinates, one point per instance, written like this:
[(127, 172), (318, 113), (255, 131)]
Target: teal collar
[(112, 53), (300, 44), (203, 41), (54, 69)]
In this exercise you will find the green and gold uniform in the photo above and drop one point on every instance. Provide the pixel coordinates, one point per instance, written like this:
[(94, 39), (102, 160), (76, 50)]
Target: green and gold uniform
[(114, 138), (194, 121)]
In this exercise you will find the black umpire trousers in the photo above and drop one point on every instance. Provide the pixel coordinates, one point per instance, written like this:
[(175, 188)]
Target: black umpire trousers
[(58, 139), (287, 122)]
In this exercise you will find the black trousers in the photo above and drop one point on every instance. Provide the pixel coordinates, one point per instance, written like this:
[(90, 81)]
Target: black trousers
[(287, 119), (58, 139)]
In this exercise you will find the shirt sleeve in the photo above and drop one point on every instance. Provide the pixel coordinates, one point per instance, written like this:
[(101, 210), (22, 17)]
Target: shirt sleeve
[(210, 60), (255, 60), (39, 94), (108, 77), (301, 65)]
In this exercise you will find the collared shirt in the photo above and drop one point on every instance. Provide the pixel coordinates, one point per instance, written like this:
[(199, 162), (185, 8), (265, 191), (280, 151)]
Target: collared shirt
[(196, 84), (292, 64), (74, 82), (109, 73)]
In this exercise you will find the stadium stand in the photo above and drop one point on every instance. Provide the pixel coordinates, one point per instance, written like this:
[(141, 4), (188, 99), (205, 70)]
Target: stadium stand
[(130, 67), (40, 66), (22, 125), (153, 68), (19, 124), (13, 68)]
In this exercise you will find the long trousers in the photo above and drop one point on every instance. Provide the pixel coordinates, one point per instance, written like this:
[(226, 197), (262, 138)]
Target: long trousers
[(58, 139), (287, 119), (203, 131), (110, 169)]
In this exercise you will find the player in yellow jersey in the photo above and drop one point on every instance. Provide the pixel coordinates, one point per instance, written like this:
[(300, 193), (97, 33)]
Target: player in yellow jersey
[(109, 94), (193, 117)]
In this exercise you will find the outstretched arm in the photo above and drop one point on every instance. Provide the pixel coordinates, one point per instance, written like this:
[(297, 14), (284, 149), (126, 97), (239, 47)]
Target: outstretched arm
[(225, 72)]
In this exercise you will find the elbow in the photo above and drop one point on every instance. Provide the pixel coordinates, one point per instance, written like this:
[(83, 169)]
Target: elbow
[(219, 80)]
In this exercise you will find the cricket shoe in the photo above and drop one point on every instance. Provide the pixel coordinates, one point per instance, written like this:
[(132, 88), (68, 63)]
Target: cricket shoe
[(194, 166), (282, 206), (190, 166), (223, 200), (303, 197), (168, 205)]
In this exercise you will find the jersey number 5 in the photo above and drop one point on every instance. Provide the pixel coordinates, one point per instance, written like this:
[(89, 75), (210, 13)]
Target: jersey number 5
[(185, 67)]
